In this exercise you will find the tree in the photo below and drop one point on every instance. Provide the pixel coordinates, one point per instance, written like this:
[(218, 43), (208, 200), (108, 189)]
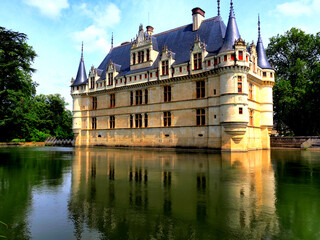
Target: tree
[(16, 85), (296, 60)]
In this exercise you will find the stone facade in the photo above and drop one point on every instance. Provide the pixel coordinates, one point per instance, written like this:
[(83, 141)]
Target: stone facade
[(216, 99)]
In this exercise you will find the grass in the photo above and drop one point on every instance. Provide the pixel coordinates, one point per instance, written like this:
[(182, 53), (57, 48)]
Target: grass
[(2, 223)]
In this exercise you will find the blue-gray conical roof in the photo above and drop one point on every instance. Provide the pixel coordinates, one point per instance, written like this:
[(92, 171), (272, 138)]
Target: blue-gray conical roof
[(232, 32), (81, 75), (262, 56)]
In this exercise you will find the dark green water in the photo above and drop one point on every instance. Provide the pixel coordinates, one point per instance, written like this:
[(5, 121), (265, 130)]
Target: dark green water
[(66, 193)]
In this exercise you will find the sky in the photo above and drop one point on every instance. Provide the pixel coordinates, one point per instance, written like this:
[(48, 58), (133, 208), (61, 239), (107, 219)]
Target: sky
[(56, 28)]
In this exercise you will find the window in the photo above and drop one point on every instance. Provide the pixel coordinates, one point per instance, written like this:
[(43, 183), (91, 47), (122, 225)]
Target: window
[(148, 54), (200, 89), (130, 79), (138, 97), (254, 64), (197, 60), (247, 59), (133, 58), (112, 100), (145, 120), (240, 55), (146, 97), (131, 121), (201, 117), (180, 69), (250, 91), (165, 67), (92, 83), (209, 63), (214, 91), (215, 61), (112, 122), (232, 57), (264, 74), (94, 123), (240, 110), (140, 77), (131, 98), (138, 120), (145, 76), (110, 79), (77, 87), (151, 75), (140, 57), (94, 103), (167, 93), (225, 58), (251, 117), (135, 77), (167, 119), (239, 84), (271, 75)]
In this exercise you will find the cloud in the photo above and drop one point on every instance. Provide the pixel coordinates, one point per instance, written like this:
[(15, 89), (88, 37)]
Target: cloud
[(95, 36), (299, 8), (49, 8)]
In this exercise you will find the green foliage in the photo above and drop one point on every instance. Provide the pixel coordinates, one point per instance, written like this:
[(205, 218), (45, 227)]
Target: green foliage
[(18, 140), (22, 113), (6, 226), (295, 57)]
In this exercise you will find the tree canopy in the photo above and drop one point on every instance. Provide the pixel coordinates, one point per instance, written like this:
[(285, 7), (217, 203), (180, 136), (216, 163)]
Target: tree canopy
[(296, 60), (22, 113)]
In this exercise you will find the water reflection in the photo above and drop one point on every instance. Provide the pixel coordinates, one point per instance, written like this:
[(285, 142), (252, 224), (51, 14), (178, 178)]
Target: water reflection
[(150, 194)]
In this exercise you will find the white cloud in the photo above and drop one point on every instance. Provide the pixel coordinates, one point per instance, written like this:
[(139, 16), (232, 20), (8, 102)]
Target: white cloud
[(95, 36), (299, 8), (49, 8)]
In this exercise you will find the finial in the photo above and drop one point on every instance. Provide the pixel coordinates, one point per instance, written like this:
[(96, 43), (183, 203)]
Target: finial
[(112, 41), (259, 26), (82, 52), (218, 7)]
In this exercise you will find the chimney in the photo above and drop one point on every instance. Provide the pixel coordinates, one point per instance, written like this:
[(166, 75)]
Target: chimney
[(198, 17), (150, 30)]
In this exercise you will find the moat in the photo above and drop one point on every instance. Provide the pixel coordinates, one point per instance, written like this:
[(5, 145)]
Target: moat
[(100, 193)]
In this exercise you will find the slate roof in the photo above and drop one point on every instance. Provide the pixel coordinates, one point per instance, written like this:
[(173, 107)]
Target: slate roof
[(262, 56), (81, 75), (177, 40)]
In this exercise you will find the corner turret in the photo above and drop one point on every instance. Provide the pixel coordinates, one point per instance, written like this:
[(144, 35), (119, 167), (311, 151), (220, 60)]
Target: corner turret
[(81, 75), (232, 32), (261, 53)]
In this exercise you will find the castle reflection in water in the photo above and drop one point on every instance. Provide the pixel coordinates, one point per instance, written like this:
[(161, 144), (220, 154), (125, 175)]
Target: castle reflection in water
[(144, 194)]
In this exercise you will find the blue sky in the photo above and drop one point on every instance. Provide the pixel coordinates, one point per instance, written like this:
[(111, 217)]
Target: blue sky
[(56, 28)]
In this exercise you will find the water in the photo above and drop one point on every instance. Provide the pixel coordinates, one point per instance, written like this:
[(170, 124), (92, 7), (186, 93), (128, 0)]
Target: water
[(66, 193)]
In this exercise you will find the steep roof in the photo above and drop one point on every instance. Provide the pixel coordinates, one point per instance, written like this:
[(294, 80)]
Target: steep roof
[(262, 56), (177, 40), (81, 75), (232, 32)]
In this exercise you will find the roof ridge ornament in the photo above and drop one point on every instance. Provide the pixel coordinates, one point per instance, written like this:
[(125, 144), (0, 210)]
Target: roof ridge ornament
[(112, 41), (218, 7), (81, 52)]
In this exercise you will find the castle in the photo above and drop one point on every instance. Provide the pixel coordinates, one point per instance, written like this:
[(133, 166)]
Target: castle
[(195, 86)]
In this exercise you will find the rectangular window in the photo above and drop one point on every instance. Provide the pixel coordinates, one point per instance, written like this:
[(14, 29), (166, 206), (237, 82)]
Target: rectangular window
[(209, 63), (271, 75), (180, 69), (145, 76), (200, 89), (138, 120), (112, 122), (141, 57), (110, 79), (251, 117), (94, 123), (201, 117), (131, 98), (250, 91), (146, 96), (214, 91), (167, 119), (240, 110), (148, 54), (264, 74), (239, 84), (165, 67), (247, 59), (197, 61), (94, 103), (215, 61), (167, 93), (240, 55), (140, 77), (92, 83), (151, 75), (112, 100), (138, 97), (232, 57), (133, 58), (131, 121), (145, 120), (225, 58)]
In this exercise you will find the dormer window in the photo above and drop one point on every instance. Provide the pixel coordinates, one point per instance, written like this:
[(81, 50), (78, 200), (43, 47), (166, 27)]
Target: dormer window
[(133, 58), (110, 79), (165, 67), (197, 60), (240, 55), (140, 57), (148, 54), (92, 83)]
